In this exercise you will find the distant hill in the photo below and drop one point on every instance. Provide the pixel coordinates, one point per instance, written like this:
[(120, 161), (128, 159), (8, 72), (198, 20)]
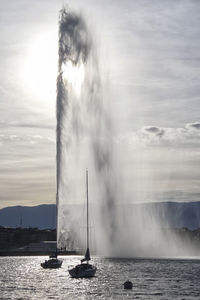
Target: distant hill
[(170, 214), (42, 216), (178, 215)]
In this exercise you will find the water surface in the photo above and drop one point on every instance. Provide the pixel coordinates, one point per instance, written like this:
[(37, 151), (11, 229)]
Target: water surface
[(23, 278)]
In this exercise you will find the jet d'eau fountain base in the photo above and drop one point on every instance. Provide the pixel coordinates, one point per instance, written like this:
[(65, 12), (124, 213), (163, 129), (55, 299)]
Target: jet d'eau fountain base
[(85, 139)]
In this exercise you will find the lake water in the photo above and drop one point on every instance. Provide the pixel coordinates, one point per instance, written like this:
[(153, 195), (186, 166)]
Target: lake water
[(23, 278)]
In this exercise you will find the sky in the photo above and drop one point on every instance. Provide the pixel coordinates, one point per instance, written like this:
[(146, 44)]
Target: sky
[(149, 57)]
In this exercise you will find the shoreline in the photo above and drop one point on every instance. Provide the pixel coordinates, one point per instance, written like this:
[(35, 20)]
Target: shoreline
[(38, 253)]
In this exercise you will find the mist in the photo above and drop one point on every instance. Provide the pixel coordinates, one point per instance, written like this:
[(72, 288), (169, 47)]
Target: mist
[(84, 129), (87, 138)]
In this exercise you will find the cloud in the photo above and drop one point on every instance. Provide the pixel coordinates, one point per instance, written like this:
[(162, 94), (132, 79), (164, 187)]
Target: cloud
[(160, 160), (27, 166), (30, 124), (184, 137), (154, 130), (195, 125), (152, 49), (22, 143)]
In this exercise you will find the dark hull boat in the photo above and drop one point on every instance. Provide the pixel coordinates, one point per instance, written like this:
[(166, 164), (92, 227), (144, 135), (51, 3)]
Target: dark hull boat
[(52, 263), (84, 270)]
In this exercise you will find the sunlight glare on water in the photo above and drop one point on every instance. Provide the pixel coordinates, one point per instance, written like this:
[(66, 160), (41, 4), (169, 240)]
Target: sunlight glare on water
[(23, 278)]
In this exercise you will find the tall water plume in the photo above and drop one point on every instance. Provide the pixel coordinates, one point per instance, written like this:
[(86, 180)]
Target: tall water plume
[(85, 140), (83, 133)]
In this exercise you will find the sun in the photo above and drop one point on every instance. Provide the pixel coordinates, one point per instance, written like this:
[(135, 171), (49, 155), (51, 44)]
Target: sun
[(74, 76), (39, 70)]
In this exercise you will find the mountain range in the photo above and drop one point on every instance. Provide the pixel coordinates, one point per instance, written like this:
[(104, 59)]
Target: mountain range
[(171, 214), (41, 216)]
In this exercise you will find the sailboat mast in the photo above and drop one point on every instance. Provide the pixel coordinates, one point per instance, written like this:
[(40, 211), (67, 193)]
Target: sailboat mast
[(87, 211), (56, 222)]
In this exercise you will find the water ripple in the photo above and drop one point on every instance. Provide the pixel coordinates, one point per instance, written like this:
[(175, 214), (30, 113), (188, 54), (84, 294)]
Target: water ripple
[(23, 278)]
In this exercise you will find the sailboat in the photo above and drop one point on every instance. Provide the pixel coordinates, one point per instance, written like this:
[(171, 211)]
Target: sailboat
[(84, 269), (53, 262)]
